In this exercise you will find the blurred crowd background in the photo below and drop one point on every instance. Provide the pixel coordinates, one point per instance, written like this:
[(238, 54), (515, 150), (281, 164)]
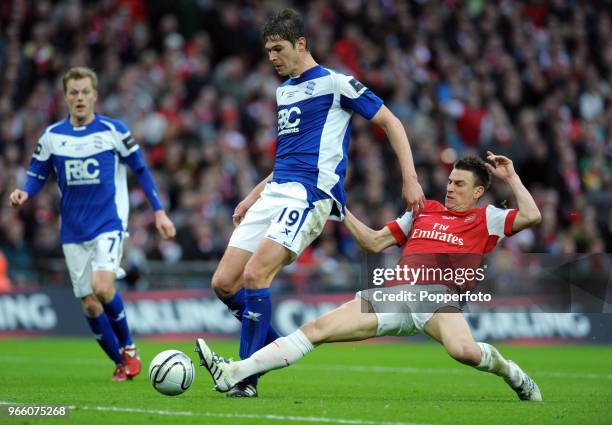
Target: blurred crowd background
[(527, 79)]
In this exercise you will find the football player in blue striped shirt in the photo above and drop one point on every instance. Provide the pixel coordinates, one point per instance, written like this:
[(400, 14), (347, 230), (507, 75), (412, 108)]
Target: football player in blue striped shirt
[(287, 211), (88, 153)]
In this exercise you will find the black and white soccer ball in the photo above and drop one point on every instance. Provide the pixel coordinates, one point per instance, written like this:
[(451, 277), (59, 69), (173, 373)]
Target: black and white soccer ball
[(171, 372)]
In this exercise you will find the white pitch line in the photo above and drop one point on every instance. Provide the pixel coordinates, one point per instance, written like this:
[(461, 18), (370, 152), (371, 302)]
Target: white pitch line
[(332, 367), (384, 369), (576, 375), (52, 360), (443, 371), (311, 419)]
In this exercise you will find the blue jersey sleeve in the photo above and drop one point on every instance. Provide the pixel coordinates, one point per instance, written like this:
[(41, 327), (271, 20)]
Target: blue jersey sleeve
[(138, 165), (39, 169), (125, 143), (357, 97)]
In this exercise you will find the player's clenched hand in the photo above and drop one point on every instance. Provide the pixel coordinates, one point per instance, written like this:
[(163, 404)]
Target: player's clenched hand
[(164, 225), (504, 169), (18, 197), (241, 210), (412, 192)]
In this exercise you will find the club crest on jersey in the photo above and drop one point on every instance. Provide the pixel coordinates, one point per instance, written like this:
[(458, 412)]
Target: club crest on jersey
[(288, 120), (470, 218), (310, 86), (82, 171), (98, 144)]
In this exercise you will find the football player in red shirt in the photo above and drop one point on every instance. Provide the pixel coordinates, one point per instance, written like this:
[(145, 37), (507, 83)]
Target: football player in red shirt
[(439, 231)]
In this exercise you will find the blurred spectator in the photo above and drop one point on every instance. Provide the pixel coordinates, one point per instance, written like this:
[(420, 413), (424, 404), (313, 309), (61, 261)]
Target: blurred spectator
[(18, 253), (5, 282)]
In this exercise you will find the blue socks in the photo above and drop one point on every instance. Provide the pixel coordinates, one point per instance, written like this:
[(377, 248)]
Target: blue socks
[(116, 314), (255, 323), (236, 304), (105, 335)]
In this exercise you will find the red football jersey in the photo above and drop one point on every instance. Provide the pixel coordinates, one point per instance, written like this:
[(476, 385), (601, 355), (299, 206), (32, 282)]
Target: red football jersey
[(438, 230), (441, 238)]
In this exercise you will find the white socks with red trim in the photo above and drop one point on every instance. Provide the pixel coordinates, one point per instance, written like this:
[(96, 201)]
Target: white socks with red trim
[(280, 353), (494, 362)]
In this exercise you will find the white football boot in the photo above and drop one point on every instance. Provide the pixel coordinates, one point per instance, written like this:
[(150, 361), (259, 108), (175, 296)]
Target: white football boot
[(219, 367), (528, 390)]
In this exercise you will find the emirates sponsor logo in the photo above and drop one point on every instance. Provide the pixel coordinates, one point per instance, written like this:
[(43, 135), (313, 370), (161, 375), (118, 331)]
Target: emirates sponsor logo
[(438, 236), (438, 233)]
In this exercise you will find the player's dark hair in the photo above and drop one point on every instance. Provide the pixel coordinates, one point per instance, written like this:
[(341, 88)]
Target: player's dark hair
[(78, 73), (285, 25), (482, 177)]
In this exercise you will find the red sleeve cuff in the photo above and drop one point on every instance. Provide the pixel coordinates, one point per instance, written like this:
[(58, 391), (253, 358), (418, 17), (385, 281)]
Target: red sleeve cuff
[(510, 222), (397, 232)]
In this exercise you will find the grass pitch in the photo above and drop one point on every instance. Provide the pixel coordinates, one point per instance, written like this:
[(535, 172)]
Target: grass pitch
[(354, 384)]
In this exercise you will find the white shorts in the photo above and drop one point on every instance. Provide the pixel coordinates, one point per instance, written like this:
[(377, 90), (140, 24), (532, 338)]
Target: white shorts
[(285, 213), (401, 324), (403, 318), (102, 253)]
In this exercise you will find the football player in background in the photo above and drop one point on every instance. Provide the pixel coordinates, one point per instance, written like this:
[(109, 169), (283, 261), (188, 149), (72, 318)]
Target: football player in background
[(286, 212), (439, 234), (88, 152)]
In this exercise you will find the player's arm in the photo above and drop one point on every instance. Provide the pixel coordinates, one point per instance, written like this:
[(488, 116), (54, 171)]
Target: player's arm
[(244, 205), (38, 173), (395, 232), (411, 189), (132, 155), (137, 164), (356, 97), (528, 212)]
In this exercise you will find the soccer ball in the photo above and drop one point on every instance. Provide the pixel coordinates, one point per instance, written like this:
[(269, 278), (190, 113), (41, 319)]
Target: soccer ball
[(171, 372)]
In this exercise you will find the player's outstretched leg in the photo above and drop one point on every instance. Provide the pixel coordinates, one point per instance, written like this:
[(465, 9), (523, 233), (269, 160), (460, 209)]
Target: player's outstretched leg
[(280, 353), (453, 332), (345, 323)]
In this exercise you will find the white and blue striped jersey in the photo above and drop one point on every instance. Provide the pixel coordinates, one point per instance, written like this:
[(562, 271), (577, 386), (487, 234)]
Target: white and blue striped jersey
[(314, 128), (89, 162)]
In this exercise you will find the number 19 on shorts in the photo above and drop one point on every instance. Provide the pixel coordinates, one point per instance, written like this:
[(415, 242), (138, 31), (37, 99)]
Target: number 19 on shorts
[(290, 218)]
